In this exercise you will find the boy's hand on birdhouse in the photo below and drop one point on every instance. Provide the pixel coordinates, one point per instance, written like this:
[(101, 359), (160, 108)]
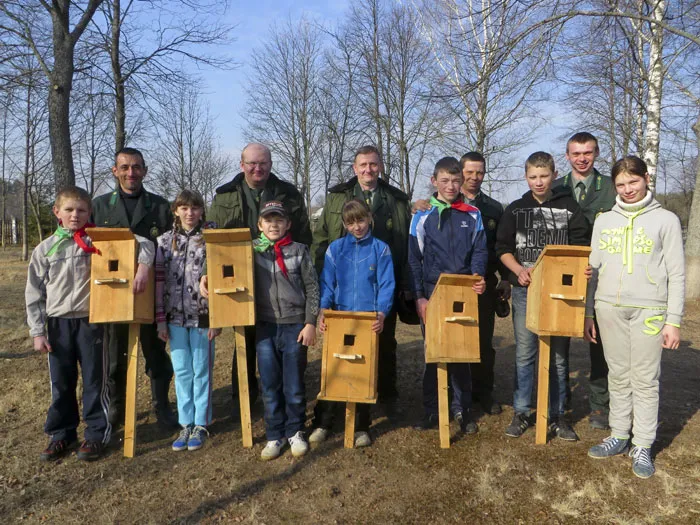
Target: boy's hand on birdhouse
[(378, 325), (479, 287), (421, 308), (162, 331), (672, 337), (321, 323), (307, 336), (524, 278), (204, 286), (589, 332), (213, 333), (588, 272), (141, 279), (41, 344)]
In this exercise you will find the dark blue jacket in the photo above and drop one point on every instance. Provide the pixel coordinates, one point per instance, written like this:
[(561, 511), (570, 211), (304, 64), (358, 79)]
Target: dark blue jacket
[(453, 243)]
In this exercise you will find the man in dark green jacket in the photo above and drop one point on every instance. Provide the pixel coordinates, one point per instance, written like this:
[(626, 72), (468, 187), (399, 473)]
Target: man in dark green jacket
[(146, 214), (236, 205), (595, 194), (391, 212)]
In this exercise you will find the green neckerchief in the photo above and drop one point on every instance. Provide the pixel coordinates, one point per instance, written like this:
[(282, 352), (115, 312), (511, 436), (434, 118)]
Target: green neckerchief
[(63, 235), (263, 244)]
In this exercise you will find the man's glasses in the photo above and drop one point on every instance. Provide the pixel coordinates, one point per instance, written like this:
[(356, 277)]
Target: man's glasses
[(256, 164)]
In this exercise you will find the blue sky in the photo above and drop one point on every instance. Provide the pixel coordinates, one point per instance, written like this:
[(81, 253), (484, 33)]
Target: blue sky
[(226, 89)]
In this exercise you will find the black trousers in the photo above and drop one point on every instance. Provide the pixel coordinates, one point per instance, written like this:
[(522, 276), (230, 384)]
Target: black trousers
[(158, 364), (482, 373), (76, 341)]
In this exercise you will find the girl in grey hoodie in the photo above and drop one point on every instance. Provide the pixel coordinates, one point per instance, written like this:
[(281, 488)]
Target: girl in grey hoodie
[(637, 291)]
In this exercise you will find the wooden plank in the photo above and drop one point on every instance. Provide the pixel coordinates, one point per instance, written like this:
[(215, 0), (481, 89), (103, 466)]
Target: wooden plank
[(131, 377), (230, 268), (543, 391), (332, 314), (350, 411), (243, 394), (109, 234), (443, 406)]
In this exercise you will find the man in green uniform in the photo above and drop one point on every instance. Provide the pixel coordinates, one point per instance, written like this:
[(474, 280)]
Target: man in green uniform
[(595, 194), (391, 212), (237, 204), (146, 214)]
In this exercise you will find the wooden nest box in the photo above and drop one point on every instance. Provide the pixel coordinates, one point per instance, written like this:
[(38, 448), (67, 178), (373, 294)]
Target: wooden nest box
[(349, 363), (112, 299), (230, 270), (452, 321), (556, 297)]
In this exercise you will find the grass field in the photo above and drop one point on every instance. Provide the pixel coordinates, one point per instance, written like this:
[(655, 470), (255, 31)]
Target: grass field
[(403, 478)]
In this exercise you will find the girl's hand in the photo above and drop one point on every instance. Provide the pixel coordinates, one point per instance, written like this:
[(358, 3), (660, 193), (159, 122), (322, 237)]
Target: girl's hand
[(204, 286), (41, 344), (588, 272), (479, 287), (378, 325), (422, 308), (307, 336), (524, 277), (141, 279), (672, 337), (213, 333), (589, 333), (162, 331), (321, 323)]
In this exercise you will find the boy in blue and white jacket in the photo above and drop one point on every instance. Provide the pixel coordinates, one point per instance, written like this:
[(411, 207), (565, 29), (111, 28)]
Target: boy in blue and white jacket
[(358, 276), (447, 238)]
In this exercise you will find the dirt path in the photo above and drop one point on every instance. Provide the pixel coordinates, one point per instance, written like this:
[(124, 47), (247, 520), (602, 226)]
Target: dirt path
[(403, 478)]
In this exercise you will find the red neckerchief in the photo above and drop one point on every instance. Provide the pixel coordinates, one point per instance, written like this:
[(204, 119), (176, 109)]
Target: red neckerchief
[(284, 241), (78, 237)]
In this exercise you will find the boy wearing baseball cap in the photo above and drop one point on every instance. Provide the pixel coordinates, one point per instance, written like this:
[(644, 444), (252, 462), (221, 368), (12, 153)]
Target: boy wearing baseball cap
[(287, 299)]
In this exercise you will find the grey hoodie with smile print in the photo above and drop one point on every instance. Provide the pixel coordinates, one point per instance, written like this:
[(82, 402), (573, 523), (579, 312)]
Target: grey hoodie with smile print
[(637, 259)]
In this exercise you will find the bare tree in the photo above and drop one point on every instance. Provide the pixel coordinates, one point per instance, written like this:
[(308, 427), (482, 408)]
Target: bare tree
[(25, 22)]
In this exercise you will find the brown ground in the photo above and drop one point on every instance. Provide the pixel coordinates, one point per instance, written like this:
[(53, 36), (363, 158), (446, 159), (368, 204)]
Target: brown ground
[(403, 478)]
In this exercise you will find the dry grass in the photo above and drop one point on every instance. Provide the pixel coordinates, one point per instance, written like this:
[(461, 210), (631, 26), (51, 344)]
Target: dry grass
[(403, 478)]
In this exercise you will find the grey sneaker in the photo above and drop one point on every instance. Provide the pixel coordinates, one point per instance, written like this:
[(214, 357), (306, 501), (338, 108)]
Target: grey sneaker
[(518, 425), (611, 446), (563, 430), (362, 439), (298, 444), (319, 435), (642, 464), (273, 449), (466, 424)]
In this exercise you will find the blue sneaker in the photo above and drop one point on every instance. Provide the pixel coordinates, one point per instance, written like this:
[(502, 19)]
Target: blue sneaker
[(611, 446), (642, 464), (180, 443), (197, 437)]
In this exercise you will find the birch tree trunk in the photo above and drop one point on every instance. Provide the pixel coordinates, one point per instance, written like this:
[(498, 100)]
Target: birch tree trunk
[(656, 79), (692, 242)]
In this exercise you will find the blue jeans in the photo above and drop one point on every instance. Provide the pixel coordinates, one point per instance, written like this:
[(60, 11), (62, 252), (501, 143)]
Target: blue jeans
[(281, 362), (526, 350), (192, 355)]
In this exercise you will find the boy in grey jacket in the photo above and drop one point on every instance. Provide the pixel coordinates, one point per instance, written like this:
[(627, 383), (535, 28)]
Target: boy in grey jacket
[(57, 297), (287, 299)]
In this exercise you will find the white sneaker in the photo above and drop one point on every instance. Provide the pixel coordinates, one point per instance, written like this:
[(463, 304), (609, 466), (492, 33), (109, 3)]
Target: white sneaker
[(319, 435), (298, 444), (362, 439), (273, 449)]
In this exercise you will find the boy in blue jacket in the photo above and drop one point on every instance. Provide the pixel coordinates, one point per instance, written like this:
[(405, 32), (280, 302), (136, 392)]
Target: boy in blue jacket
[(358, 276), (447, 238)]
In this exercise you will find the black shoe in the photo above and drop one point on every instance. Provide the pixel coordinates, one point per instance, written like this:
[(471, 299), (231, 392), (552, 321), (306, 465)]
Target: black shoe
[(161, 404), (518, 425), (563, 430), (115, 415), (466, 424), (490, 407), (599, 420), (429, 421), (55, 450), (90, 450)]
